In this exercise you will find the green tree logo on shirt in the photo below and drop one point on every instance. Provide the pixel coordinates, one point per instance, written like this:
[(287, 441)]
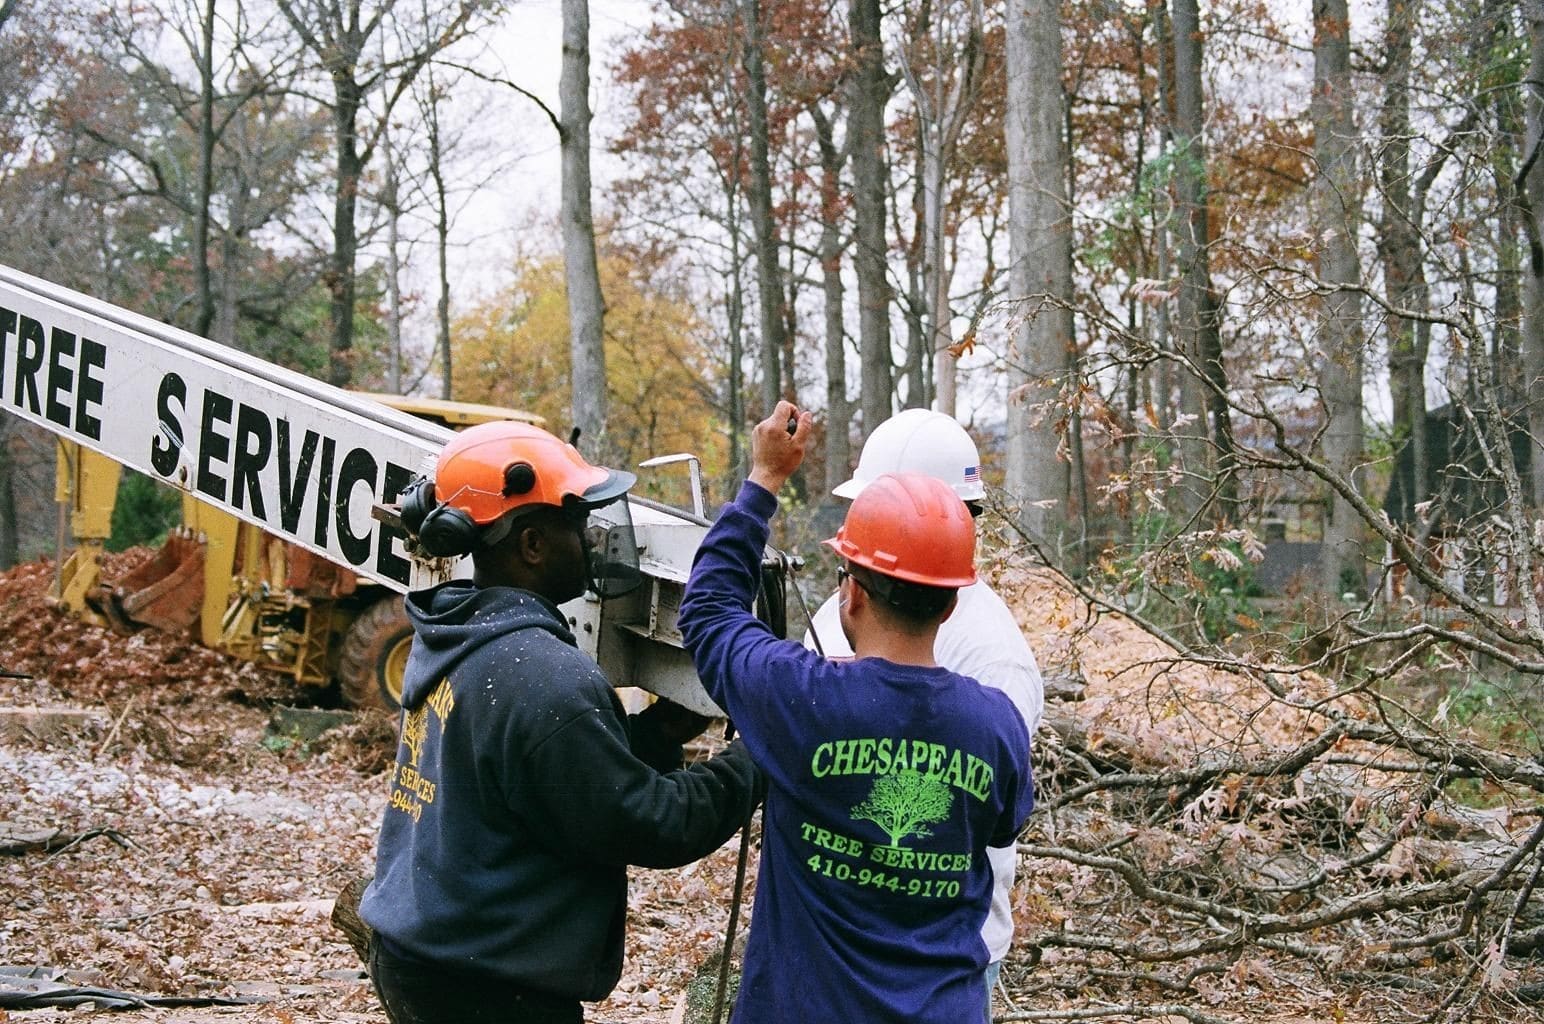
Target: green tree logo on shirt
[(904, 804)]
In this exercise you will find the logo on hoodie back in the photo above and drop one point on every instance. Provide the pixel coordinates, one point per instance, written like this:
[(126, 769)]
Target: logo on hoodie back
[(410, 789)]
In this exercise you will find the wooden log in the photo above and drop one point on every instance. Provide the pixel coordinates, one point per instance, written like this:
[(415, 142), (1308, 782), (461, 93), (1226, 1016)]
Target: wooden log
[(345, 917), (1063, 684)]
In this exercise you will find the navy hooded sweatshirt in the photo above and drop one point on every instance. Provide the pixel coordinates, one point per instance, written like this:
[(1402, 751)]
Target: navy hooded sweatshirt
[(520, 793)]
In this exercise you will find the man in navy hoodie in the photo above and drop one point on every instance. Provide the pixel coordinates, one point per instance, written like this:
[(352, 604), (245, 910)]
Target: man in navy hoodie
[(888, 776), (521, 790)]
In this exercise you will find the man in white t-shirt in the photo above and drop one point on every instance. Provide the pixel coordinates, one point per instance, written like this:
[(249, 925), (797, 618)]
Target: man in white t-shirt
[(980, 639)]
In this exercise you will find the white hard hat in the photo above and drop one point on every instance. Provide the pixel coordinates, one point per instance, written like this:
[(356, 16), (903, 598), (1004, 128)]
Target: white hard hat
[(919, 441)]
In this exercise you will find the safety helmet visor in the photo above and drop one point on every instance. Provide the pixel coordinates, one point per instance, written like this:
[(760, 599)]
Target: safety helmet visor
[(616, 483), (611, 549)]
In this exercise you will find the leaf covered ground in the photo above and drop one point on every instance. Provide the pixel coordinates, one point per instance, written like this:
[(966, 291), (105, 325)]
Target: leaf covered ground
[(197, 854), (211, 848)]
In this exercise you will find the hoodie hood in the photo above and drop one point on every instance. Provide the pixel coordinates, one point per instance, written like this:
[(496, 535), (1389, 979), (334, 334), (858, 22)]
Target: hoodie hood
[(453, 620)]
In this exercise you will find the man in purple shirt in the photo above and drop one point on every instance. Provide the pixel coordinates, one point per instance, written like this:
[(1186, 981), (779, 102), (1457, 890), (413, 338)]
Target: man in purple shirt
[(888, 776)]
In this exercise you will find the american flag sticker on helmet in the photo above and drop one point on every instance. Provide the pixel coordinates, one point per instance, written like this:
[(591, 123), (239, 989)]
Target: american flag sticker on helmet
[(972, 474)]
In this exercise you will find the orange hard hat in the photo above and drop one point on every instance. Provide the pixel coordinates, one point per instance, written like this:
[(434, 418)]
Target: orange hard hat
[(911, 527), (493, 468)]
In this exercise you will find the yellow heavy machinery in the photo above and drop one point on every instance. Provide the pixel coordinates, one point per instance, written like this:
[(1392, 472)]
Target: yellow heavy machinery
[(246, 591)]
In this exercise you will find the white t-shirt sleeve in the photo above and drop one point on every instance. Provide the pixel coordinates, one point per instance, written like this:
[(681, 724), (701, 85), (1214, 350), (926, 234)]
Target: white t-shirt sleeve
[(827, 623), (982, 640)]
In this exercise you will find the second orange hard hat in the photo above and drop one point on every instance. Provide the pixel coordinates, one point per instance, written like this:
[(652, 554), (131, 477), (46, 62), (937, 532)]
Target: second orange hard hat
[(913, 528)]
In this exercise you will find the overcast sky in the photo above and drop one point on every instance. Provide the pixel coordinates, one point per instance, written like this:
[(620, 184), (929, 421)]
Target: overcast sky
[(529, 46)]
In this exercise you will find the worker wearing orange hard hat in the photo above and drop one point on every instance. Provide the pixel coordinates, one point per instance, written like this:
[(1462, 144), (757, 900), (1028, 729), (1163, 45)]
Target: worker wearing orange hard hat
[(888, 776), (521, 790), (981, 639)]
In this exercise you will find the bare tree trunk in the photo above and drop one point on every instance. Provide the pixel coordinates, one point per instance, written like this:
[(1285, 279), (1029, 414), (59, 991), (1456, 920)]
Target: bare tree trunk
[(790, 304), (838, 409), (1336, 210), (914, 307), (586, 306), (941, 320), (228, 311), (769, 277), (734, 298), (391, 201), (393, 291), (942, 108), (1139, 323), (1533, 291), (1040, 279), (201, 284), (931, 132), (341, 284), (441, 240), (1399, 250), (1200, 340), (736, 389), (870, 87), (1509, 251), (1160, 382)]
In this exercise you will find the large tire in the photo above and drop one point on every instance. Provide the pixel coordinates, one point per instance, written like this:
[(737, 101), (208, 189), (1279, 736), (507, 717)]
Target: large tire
[(374, 654)]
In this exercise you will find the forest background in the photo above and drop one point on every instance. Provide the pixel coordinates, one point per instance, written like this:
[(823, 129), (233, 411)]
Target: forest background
[(1243, 302)]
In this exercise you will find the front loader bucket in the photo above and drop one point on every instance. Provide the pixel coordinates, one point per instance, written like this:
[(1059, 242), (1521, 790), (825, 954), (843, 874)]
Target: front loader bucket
[(166, 592)]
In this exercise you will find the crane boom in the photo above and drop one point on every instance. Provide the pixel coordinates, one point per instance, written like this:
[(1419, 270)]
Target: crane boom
[(294, 456)]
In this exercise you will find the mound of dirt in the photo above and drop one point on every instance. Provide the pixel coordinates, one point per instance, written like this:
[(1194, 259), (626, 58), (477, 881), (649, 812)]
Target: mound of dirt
[(87, 663)]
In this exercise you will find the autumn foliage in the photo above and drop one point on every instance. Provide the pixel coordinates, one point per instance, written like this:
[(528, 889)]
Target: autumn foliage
[(512, 350)]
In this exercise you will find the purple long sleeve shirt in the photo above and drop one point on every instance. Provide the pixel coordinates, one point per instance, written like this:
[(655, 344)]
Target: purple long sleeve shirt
[(886, 783)]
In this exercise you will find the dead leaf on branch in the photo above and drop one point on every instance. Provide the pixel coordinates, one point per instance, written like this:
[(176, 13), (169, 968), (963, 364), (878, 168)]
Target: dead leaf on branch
[(964, 346)]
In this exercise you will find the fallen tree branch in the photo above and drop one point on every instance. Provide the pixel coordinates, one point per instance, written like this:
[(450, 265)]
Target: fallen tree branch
[(112, 733), (16, 842), (118, 924), (1285, 765), (1464, 891)]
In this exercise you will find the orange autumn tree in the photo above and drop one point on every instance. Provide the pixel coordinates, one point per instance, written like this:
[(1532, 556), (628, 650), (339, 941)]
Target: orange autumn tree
[(512, 350)]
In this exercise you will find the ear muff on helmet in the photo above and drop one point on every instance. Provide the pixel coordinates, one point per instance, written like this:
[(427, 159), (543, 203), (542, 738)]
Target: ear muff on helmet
[(444, 531), (447, 531), (415, 503)]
